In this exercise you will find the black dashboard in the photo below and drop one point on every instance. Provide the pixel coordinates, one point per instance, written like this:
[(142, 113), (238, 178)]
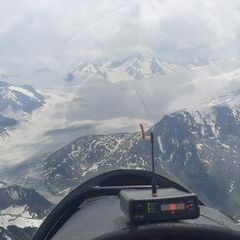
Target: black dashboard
[(92, 211)]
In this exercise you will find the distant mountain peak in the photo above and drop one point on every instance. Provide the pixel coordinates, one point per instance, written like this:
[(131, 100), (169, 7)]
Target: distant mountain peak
[(17, 102), (135, 66), (86, 67)]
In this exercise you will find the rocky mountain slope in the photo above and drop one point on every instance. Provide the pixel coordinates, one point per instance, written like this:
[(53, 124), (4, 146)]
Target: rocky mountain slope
[(200, 149), (21, 212), (16, 104), (136, 66), (141, 66), (15, 233)]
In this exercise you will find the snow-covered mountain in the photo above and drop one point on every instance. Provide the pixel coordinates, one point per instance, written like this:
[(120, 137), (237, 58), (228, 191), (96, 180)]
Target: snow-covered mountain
[(65, 169), (17, 103), (199, 148), (15, 233), (138, 66), (134, 67), (86, 68), (6, 125), (21, 212), (19, 98), (145, 67)]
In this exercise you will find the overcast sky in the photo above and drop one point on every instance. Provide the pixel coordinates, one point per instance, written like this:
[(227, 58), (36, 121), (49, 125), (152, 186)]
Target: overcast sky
[(55, 32)]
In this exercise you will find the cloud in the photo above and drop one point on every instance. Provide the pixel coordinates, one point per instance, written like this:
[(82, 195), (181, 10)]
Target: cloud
[(65, 118), (53, 34), (56, 32), (184, 30)]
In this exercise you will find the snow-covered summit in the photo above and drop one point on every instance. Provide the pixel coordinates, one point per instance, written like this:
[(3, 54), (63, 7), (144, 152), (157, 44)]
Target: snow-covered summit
[(133, 67), (22, 211), (139, 66), (86, 67), (16, 104), (19, 98)]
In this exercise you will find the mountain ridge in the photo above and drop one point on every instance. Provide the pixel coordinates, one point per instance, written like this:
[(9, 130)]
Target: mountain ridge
[(198, 148), (22, 211), (198, 142), (133, 67), (17, 103)]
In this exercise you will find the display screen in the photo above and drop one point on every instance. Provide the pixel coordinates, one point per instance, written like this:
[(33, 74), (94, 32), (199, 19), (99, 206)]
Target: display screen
[(155, 207), (172, 207)]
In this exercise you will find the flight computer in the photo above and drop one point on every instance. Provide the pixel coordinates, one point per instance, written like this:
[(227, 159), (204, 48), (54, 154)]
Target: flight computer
[(169, 204), (153, 204)]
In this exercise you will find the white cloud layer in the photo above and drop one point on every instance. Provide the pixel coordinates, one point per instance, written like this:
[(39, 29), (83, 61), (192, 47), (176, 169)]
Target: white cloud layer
[(55, 32)]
